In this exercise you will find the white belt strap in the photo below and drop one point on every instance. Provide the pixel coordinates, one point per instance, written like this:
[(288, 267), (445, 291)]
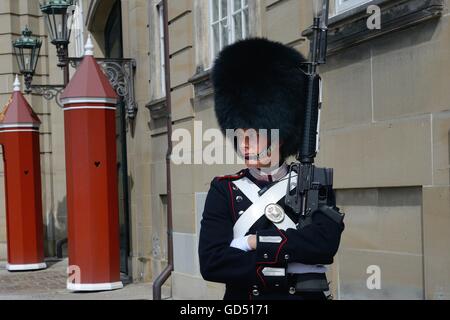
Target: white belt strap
[(256, 210), (248, 188)]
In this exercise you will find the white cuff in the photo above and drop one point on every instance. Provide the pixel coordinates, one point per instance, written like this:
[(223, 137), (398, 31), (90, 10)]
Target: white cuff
[(241, 243)]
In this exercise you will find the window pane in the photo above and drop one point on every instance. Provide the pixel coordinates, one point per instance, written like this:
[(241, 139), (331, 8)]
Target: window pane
[(27, 59), (224, 31), (59, 24), (216, 38), (215, 10), (246, 30), (237, 19), (161, 22), (35, 56), (224, 8), (237, 5), (345, 5)]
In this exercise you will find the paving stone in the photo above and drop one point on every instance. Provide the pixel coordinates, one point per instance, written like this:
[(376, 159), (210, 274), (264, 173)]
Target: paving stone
[(50, 284)]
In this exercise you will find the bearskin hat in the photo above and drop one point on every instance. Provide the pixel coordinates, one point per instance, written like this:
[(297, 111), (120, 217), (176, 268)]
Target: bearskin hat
[(260, 84)]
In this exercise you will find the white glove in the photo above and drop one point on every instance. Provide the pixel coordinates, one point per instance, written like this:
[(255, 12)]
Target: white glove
[(241, 243)]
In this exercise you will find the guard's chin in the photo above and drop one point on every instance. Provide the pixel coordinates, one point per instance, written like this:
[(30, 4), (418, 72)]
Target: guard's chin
[(252, 163), (260, 163)]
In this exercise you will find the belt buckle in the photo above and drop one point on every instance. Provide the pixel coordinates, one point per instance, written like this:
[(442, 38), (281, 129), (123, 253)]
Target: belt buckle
[(311, 282)]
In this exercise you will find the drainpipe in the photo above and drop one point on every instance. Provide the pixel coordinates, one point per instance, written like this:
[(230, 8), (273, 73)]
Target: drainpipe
[(165, 274)]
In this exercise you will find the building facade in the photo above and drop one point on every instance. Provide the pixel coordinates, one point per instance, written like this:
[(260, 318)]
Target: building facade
[(385, 130)]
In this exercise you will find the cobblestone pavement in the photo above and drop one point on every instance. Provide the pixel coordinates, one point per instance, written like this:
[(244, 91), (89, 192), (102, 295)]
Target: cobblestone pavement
[(50, 284)]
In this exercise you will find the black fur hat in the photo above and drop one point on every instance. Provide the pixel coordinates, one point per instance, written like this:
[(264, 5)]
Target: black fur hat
[(259, 84)]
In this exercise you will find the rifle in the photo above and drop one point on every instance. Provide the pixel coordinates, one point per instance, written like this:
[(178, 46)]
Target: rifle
[(314, 186)]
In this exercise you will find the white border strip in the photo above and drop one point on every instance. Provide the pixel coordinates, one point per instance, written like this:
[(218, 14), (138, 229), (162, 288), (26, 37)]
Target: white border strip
[(89, 107), (24, 267), (88, 100), (23, 130), (94, 286), (18, 125)]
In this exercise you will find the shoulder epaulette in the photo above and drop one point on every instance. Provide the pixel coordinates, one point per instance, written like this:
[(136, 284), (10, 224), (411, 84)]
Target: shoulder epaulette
[(236, 176)]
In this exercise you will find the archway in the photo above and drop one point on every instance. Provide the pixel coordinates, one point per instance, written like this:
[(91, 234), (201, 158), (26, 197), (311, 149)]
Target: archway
[(104, 21)]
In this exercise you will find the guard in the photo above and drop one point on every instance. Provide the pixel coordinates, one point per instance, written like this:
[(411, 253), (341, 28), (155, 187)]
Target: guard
[(248, 237)]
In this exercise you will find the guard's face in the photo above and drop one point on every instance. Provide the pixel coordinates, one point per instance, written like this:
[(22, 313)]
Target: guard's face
[(257, 147)]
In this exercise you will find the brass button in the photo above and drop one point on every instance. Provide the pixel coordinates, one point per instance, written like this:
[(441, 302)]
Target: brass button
[(266, 256), (239, 198), (255, 292), (292, 290), (241, 212), (286, 256), (234, 187)]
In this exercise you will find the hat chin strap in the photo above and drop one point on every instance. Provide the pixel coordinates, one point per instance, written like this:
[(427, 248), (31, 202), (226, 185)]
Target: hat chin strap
[(260, 155)]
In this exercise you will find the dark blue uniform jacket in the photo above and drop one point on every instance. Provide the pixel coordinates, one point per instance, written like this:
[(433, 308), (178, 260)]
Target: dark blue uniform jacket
[(317, 243)]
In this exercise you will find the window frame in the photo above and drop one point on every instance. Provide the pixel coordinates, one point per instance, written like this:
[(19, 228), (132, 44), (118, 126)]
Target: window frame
[(77, 34), (230, 24), (349, 28), (244, 20), (341, 6), (162, 63)]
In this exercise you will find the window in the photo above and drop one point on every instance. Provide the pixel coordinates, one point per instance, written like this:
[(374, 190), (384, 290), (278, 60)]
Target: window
[(348, 26), (77, 30), (161, 46), (113, 33), (346, 5), (229, 22)]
